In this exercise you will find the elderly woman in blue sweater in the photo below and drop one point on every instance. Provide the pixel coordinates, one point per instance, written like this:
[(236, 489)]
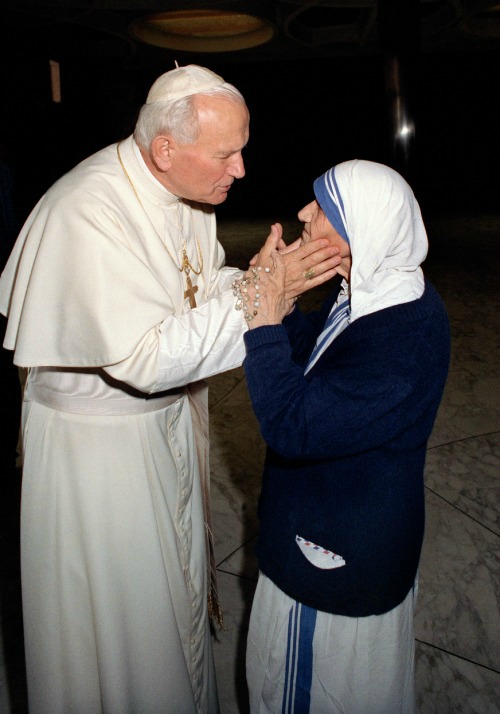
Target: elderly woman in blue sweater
[(346, 400)]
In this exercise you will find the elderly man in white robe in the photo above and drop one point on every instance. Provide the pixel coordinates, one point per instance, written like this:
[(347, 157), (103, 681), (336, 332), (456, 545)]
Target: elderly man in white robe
[(119, 304)]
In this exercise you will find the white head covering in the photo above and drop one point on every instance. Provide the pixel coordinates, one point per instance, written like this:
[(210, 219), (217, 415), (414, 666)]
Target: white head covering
[(182, 82), (372, 207)]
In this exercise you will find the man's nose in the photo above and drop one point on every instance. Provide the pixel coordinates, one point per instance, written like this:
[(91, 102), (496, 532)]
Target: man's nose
[(237, 167)]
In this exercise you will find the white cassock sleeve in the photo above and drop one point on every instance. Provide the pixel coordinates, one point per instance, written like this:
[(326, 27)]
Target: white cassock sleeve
[(185, 348)]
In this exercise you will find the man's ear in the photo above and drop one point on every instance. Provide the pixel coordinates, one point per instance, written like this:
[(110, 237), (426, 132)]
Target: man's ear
[(160, 150)]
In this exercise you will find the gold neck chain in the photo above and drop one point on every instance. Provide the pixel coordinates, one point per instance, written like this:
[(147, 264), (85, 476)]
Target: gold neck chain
[(186, 265)]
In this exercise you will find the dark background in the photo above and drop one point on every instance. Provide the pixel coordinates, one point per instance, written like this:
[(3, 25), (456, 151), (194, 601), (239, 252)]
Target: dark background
[(311, 106)]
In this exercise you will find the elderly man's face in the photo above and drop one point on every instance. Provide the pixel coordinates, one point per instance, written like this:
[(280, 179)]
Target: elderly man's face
[(204, 171), (317, 225)]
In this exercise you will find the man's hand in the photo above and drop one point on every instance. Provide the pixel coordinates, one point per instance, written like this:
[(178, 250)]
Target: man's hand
[(307, 265)]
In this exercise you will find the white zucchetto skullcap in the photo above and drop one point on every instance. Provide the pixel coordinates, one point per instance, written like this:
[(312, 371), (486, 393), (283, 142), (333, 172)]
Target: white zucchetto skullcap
[(182, 82)]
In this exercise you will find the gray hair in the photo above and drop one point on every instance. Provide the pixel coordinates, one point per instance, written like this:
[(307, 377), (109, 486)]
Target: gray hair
[(178, 118)]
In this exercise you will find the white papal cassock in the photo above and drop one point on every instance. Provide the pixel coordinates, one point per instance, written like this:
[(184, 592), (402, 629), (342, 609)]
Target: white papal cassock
[(114, 569)]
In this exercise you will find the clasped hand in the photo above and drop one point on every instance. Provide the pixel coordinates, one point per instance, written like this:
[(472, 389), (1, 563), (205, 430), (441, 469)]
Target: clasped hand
[(280, 273)]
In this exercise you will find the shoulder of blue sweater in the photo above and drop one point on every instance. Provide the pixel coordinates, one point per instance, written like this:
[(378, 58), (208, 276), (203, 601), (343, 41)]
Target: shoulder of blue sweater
[(429, 304)]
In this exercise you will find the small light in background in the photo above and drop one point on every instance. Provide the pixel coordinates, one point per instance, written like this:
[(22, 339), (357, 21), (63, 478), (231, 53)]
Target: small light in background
[(55, 81)]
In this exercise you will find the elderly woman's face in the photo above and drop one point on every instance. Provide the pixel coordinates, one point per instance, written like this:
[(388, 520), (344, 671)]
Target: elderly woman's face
[(317, 225)]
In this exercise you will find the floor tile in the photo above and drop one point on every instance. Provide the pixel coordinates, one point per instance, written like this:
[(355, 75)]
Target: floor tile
[(447, 684), (466, 474), (458, 605)]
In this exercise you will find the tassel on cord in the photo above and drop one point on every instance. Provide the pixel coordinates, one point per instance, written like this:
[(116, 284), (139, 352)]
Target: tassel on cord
[(198, 400), (214, 608)]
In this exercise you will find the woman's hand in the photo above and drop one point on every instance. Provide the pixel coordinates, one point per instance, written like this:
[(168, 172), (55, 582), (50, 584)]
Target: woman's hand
[(262, 293), (274, 241), (306, 265)]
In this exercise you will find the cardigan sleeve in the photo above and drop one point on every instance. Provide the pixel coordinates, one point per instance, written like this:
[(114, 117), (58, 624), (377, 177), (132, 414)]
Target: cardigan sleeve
[(366, 390)]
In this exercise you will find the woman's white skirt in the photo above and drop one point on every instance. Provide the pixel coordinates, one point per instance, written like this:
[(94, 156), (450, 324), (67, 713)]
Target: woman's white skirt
[(301, 660)]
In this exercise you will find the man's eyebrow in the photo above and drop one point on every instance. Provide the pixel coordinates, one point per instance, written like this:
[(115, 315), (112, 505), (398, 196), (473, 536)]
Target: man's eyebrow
[(229, 152)]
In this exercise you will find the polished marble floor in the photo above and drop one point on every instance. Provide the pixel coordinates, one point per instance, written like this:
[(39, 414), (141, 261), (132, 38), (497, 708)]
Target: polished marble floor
[(457, 621)]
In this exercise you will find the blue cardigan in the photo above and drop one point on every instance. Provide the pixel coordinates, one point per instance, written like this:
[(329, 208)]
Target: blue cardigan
[(346, 450)]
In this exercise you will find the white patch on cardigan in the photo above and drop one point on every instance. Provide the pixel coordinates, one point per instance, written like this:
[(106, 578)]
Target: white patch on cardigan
[(318, 556)]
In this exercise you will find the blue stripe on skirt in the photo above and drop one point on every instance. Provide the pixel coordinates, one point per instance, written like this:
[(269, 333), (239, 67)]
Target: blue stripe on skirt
[(299, 660)]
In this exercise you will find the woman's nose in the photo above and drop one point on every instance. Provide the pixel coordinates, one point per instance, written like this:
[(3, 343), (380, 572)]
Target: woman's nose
[(305, 214)]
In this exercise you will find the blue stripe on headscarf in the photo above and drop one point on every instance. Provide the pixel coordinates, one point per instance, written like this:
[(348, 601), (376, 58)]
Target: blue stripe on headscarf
[(328, 196)]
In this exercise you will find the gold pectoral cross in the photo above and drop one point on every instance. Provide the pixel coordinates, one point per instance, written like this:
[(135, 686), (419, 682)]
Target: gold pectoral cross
[(190, 292)]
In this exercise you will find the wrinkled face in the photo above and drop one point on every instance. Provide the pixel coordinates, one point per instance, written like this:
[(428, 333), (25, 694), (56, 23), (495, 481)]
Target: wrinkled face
[(204, 171), (317, 225)]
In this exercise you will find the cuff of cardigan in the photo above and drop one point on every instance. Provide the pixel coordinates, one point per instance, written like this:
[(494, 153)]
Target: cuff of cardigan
[(264, 335)]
